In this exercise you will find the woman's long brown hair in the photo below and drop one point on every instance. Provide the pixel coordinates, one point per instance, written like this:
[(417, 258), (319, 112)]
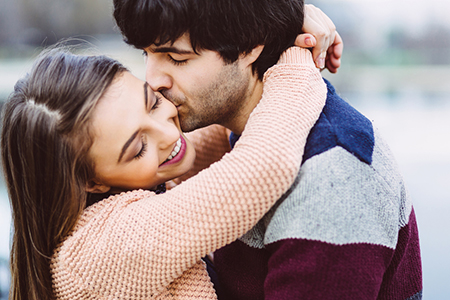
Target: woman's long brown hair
[(44, 143)]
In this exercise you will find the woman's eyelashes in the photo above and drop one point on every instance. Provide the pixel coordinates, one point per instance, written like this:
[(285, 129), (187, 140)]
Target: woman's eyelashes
[(143, 149), (158, 100)]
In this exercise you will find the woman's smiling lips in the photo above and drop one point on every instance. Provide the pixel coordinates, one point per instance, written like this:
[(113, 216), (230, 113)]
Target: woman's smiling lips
[(177, 153)]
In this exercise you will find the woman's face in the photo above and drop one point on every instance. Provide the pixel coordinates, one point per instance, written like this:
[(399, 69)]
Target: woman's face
[(137, 138)]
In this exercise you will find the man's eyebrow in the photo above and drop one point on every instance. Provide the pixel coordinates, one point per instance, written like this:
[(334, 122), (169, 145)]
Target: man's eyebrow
[(171, 50), (127, 144)]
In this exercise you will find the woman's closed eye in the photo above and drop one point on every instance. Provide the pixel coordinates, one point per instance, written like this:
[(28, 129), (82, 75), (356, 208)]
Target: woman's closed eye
[(143, 149), (158, 100)]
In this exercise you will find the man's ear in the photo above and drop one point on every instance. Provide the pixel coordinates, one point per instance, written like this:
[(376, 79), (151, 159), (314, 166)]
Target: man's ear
[(252, 56), (96, 188)]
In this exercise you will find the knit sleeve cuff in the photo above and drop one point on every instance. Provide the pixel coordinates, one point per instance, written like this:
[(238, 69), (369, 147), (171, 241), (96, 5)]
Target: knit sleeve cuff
[(296, 55)]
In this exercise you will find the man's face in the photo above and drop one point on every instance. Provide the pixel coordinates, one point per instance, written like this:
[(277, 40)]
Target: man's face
[(202, 86)]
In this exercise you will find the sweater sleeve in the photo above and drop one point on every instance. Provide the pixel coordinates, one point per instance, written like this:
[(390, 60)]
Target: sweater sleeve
[(130, 245)]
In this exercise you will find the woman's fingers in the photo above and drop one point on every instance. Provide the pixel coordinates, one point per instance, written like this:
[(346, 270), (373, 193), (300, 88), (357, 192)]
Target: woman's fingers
[(334, 54), (328, 46)]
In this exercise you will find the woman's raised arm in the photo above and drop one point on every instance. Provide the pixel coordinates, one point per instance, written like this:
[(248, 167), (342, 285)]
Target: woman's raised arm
[(137, 243)]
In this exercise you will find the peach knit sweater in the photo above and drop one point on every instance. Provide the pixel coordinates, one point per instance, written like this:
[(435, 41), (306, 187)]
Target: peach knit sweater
[(139, 245)]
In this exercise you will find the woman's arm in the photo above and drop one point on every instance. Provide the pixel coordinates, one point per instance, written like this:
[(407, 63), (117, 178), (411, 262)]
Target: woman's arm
[(210, 143), (152, 241)]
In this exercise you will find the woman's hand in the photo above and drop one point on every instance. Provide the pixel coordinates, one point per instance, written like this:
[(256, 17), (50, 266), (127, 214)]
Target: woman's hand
[(321, 35)]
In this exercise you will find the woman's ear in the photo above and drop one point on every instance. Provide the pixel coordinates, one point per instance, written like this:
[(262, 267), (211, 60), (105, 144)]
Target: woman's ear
[(252, 56), (96, 188)]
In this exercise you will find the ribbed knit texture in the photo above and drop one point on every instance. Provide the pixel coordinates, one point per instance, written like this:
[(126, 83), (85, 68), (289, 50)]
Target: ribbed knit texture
[(134, 245)]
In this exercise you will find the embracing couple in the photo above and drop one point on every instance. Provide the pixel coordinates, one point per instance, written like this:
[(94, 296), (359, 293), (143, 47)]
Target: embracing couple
[(278, 189)]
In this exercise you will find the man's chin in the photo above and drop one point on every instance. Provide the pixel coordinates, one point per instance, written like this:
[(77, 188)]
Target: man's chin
[(189, 126)]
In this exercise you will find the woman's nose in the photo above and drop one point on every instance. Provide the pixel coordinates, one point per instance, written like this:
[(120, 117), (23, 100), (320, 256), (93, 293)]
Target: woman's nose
[(164, 122)]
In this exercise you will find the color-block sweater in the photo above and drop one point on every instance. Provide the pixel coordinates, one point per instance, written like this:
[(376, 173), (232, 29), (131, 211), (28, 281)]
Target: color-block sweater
[(139, 245), (346, 229)]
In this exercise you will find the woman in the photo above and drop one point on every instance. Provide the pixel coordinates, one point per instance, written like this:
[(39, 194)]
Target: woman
[(137, 245)]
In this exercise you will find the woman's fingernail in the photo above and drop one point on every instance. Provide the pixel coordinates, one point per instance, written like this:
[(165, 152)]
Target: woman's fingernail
[(320, 63), (308, 42), (322, 60)]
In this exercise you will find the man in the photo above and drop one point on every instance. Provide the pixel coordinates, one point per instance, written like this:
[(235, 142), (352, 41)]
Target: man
[(346, 229)]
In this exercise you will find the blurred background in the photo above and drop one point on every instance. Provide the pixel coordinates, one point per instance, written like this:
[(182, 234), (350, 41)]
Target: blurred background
[(395, 70)]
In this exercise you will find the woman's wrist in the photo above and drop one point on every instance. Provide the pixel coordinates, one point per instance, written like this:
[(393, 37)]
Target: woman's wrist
[(296, 55)]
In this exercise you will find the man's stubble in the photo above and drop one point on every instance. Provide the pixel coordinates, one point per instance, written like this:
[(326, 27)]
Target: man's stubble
[(219, 102)]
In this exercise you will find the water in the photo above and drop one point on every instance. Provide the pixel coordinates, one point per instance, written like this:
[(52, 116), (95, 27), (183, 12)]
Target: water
[(418, 132), (4, 279)]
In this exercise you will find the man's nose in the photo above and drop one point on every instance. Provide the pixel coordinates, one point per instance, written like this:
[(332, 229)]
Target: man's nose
[(155, 76)]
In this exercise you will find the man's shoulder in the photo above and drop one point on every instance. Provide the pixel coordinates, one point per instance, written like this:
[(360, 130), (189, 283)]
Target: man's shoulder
[(341, 125), (349, 188), (348, 181)]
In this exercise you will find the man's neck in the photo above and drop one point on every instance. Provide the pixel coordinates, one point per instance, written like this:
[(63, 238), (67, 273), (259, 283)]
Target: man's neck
[(252, 98)]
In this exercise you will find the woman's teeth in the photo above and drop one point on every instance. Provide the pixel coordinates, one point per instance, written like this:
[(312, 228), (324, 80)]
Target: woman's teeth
[(175, 150)]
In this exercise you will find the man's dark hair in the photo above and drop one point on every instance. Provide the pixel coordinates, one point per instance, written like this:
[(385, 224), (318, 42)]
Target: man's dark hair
[(230, 27)]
